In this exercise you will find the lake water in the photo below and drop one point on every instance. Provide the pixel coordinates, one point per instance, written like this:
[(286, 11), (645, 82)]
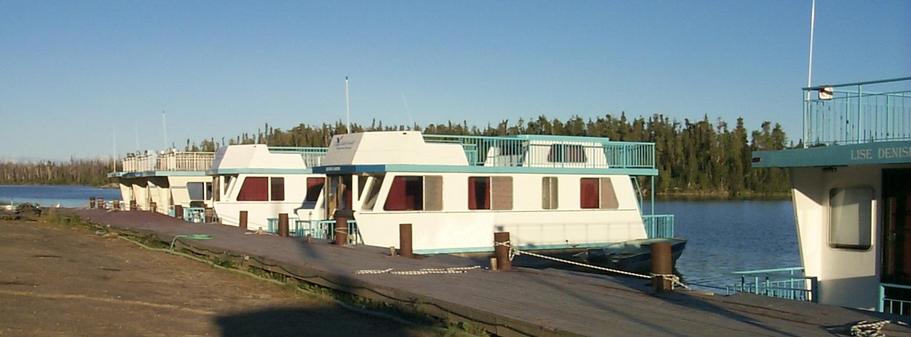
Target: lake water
[(724, 236), (66, 196)]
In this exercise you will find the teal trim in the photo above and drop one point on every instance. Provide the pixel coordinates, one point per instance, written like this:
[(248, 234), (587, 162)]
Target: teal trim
[(146, 174), (405, 168), (877, 153), (893, 306), (525, 247), (253, 170), (788, 283)]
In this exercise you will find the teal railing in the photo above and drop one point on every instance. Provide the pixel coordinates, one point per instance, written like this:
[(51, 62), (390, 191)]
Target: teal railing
[(894, 299), (659, 225), (788, 283), (317, 229), (313, 156), (859, 112), (551, 151)]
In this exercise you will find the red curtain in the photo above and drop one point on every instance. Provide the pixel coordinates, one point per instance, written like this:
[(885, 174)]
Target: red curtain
[(397, 198), (589, 193), (314, 188), (478, 192), (254, 189)]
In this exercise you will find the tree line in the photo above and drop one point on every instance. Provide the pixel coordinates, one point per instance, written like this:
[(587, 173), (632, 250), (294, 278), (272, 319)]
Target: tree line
[(699, 158), (92, 172)]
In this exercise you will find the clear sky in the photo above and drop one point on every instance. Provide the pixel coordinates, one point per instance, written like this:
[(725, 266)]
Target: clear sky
[(74, 73)]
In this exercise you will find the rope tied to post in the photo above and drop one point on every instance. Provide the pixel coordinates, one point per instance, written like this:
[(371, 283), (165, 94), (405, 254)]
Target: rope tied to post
[(513, 252), (869, 329)]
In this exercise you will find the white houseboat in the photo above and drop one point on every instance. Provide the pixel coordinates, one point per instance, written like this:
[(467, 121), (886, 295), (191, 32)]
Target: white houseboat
[(851, 190), (552, 193), (159, 181), (264, 182)]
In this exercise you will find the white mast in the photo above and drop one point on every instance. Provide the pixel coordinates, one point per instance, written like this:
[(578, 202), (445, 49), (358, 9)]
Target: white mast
[(347, 108), (812, 28)]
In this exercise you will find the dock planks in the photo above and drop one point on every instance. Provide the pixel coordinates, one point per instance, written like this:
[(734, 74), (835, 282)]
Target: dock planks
[(518, 303)]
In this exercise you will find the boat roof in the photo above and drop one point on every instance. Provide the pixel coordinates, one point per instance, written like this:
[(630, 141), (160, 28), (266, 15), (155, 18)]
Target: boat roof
[(263, 159), (859, 123), (413, 151)]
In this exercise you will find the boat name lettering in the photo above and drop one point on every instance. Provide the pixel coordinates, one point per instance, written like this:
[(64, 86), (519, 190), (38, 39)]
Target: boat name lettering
[(333, 169), (895, 152), (900, 152)]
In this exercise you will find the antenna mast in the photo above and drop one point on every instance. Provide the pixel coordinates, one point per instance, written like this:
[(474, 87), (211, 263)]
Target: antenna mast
[(164, 128), (347, 108), (812, 28)]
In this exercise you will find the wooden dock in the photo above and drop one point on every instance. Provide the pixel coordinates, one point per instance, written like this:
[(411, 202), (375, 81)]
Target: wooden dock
[(523, 302)]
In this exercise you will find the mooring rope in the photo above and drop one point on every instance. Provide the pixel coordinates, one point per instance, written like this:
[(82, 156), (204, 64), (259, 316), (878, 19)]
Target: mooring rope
[(422, 271), (869, 329), (513, 252)]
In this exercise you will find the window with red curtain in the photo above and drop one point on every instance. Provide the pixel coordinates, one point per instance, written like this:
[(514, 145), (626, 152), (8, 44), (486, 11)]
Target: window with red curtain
[(405, 194), (478, 192), (254, 189), (314, 188), (277, 189), (589, 194)]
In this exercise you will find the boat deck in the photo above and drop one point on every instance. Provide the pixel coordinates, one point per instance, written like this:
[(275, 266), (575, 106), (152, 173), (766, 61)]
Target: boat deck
[(521, 302)]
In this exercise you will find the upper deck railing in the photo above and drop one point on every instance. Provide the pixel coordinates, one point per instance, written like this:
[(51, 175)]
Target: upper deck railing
[(312, 156), (551, 151), (861, 112), (169, 161)]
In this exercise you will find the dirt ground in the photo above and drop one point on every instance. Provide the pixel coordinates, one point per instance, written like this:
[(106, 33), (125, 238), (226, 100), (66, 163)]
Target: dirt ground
[(67, 281)]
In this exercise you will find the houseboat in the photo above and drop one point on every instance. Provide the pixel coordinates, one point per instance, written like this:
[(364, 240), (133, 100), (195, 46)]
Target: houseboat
[(159, 181), (260, 182), (851, 192), (553, 194)]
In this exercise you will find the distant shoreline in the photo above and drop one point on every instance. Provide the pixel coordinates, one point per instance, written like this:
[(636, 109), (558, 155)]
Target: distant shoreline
[(721, 196)]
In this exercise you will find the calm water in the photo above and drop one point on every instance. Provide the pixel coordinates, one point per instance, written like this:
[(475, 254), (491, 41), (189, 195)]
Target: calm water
[(66, 196), (726, 236)]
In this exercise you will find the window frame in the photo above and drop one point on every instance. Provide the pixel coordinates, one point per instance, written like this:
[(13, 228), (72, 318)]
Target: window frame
[(865, 240)]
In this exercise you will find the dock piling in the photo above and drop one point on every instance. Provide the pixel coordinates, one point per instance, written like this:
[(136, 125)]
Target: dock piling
[(501, 250), (283, 225), (242, 223), (405, 240), (153, 207), (341, 228), (133, 205), (662, 264), (116, 205), (91, 202), (178, 211)]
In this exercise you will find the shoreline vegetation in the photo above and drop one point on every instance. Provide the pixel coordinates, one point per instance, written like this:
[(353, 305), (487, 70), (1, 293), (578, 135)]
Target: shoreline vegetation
[(696, 160)]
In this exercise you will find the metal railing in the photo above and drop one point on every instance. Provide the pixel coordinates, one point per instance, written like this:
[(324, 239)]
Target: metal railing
[(312, 156), (317, 229), (788, 283), (185, 161), (168, 161), (659, 225), (551, 151), (894, 299), (859, 112)]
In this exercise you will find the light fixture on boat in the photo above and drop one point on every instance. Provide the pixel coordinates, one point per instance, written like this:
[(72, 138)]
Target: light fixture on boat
[(826, 93)]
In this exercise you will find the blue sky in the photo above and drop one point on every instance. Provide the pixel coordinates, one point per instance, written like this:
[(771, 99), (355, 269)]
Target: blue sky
[(72, 73)]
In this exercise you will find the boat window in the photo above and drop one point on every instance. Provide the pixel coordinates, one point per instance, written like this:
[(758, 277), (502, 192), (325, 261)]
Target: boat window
[(405, 194), (478, 192), (433, 193), (374, 192), (277, 189), (216, 193), (850, 218), (589, 196), (549, 193), (314, 188), (254, 189), (196, 191), (562, 153), (208, 194), (608, 197), (501, 193)]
